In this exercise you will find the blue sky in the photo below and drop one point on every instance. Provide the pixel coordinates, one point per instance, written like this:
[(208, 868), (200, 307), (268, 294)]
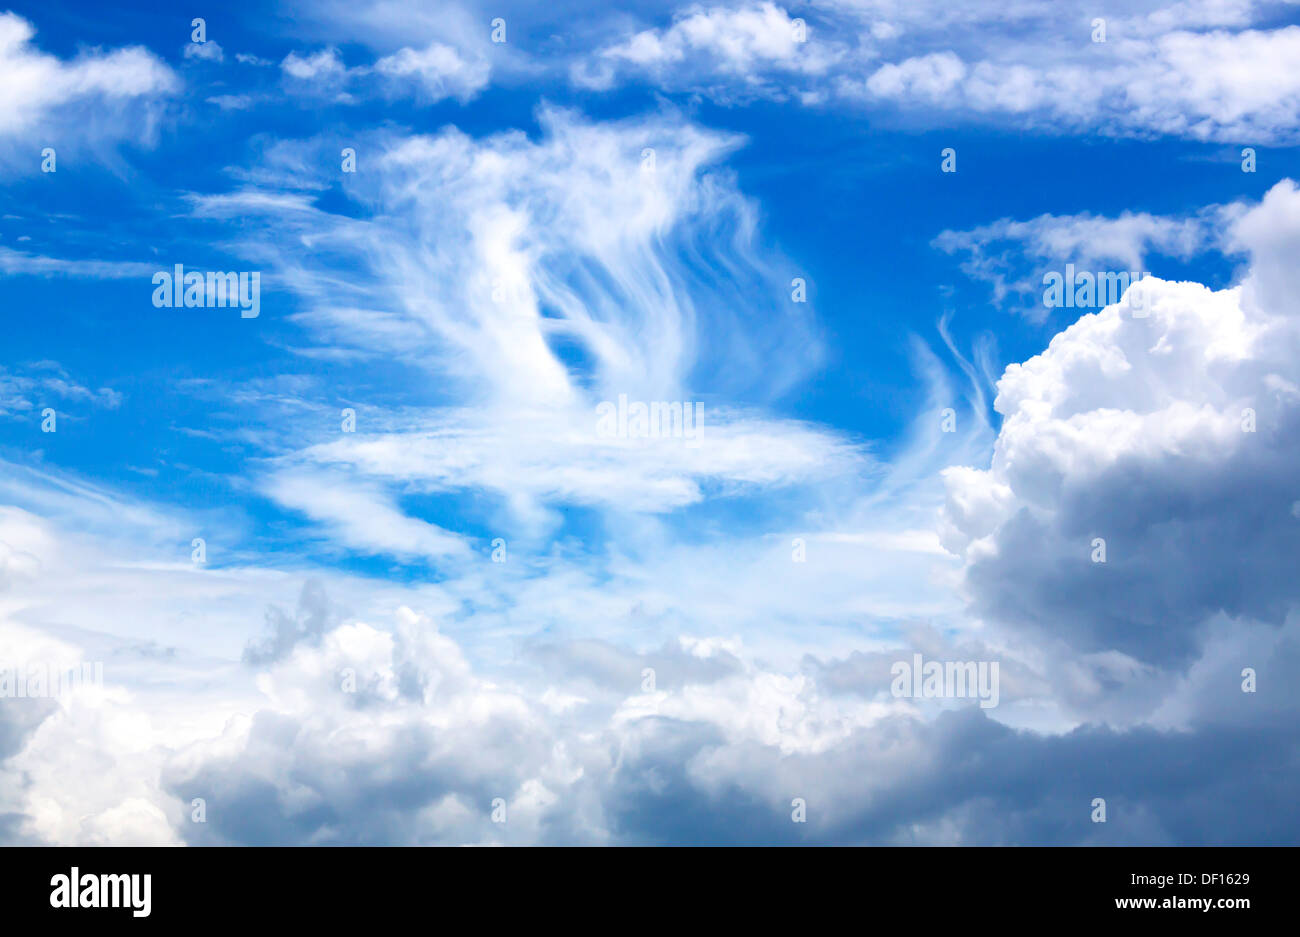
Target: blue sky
[(610, 203)]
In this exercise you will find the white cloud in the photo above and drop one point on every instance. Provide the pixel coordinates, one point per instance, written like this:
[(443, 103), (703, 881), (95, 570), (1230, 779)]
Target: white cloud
[(556, 456), (1138, 430), (209, 51), (440, 71), (504, 223), (1191, 69), (929, 77), (362, 518), (98, 94), (479, 260), (14, 262), (233, 102), (522, 279), (431, 74), (320, 65), (1012, 255), (1221, 85), (45, 383), (743, 43), (580, 751)]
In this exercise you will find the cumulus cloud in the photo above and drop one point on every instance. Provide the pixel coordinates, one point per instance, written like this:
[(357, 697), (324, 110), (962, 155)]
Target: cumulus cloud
[(928, 77), (97, 95), (430, 74), (1167, 435), (439, 70), (744, 44), (391, 737), (1200, 70), (414, 730), (463, 733), (323, 64), (1206, 86)]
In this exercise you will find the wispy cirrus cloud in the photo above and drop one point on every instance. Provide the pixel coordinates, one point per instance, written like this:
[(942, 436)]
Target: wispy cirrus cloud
[(540, 279), (25, 390)]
